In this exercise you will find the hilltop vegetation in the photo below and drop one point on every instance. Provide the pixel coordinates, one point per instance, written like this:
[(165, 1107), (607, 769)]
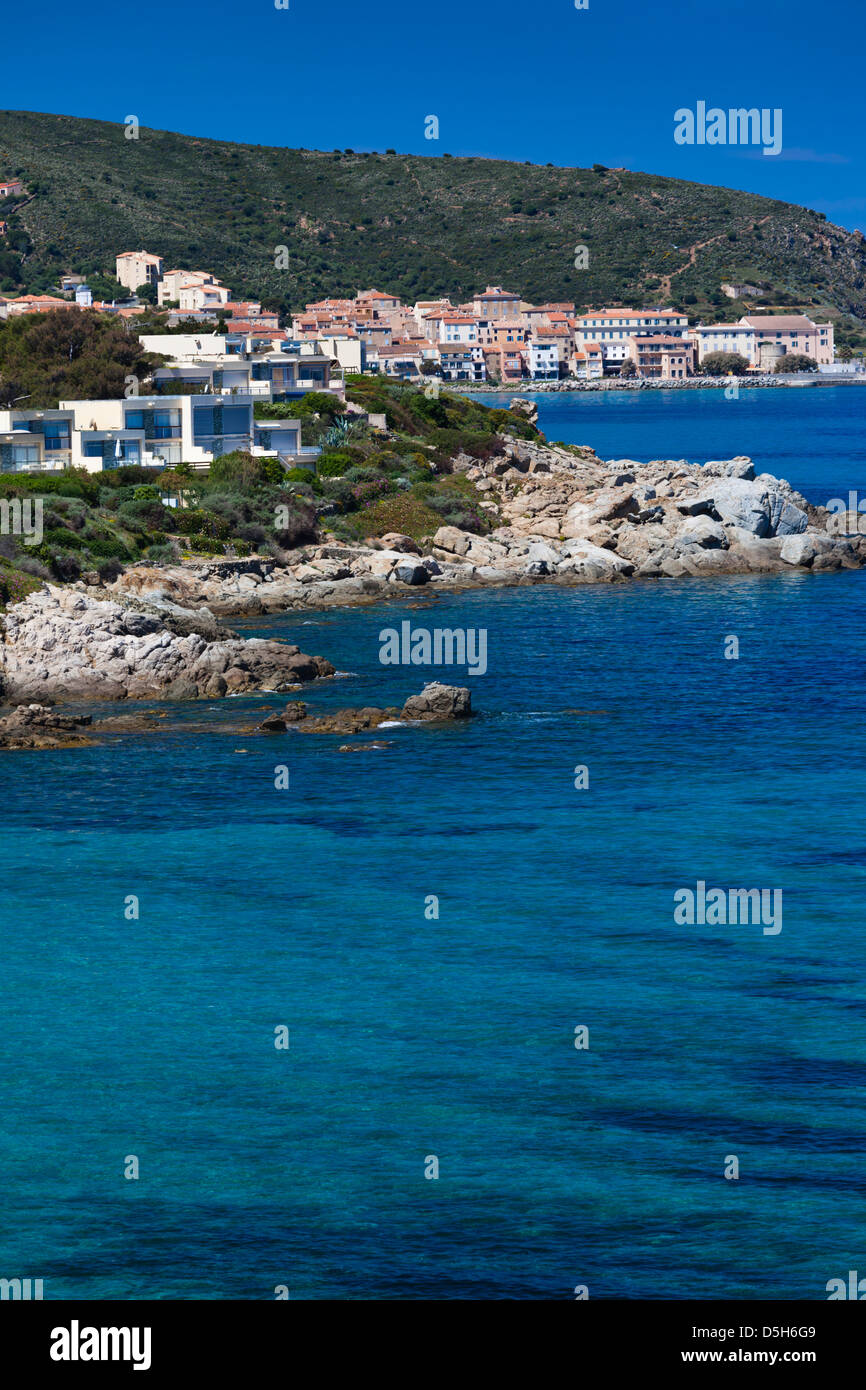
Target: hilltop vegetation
[(418, 226)]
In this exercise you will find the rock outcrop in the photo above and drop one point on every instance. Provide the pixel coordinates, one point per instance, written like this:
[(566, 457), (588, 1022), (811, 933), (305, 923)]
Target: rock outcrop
[(64, 644), (436, 703), (439, 702), (35, 726)]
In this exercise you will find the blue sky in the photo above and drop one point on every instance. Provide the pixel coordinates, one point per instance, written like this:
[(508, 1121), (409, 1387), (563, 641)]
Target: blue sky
[(537, 81)]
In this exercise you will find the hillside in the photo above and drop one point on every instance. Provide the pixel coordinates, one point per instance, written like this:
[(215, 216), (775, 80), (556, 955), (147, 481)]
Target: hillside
[(419, 226)]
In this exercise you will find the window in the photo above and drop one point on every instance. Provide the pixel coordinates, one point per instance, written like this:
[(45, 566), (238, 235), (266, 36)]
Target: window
[(203, 423)]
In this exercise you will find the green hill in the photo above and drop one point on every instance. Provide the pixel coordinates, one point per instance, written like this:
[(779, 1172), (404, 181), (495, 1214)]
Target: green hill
[(414, 225)]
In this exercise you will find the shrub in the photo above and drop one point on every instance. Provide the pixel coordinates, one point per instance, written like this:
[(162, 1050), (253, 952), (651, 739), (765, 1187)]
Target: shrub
[(339, 491), (251, 534), (61, 536), (146, 493), (65, 566), (372, 490), (109, 571), (108, 548), (300, 523), (300, 475), (159, 554), (796, 362), (241, 472), (15, 584), (724, 364), (144, 513), (197, 522), (206, 545), (333, 465), (240, 547), (403, 512), (457, 509), (74, 482)]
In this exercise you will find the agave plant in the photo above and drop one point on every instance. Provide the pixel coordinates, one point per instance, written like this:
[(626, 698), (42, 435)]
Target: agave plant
[(337, 434)]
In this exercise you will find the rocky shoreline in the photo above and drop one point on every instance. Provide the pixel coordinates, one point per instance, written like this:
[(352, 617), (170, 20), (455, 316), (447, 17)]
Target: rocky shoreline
[(569, 518), (694, 383), (565, 517)]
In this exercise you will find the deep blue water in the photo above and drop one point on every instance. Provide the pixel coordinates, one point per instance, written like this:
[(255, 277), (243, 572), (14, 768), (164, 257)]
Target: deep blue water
[(455, 1037), (814, 436)]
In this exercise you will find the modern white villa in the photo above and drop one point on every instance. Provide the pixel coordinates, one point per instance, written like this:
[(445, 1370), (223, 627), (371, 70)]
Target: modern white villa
[(154, 431)]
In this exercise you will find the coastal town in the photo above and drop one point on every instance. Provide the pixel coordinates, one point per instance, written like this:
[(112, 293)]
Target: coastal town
[(212, 347)]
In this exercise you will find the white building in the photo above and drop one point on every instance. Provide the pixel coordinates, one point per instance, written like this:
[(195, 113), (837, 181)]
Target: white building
[(152, 431), (613, 328), (200, 295), (134, 268), (458, 328), (223, 365), (724, 337), (543, 361)]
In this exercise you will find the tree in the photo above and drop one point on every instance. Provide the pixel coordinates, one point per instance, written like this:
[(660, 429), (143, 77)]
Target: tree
[(845, 353), (724, 364), (796, 362), (70, 354), (628, 368), (239, 471), (146, 294)]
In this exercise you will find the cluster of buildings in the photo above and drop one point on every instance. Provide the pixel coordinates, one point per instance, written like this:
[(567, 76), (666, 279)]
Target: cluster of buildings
[(202, 399), (501, 337), (496, 337), (193, 296)]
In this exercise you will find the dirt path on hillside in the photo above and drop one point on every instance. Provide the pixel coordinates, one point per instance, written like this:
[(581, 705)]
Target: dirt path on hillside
[(693, 257)]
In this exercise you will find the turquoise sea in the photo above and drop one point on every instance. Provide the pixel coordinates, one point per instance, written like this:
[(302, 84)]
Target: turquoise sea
[(413, 1037)]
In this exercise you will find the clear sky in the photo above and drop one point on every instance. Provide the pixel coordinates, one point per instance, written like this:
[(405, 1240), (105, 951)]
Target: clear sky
[(533, 80)]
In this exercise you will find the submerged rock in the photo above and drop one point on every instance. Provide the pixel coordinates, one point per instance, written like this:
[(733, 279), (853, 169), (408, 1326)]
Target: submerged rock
[(35, 726)]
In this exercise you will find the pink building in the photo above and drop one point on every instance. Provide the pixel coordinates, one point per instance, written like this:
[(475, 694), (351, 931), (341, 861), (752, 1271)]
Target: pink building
[(663, 356), (791, 333)]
